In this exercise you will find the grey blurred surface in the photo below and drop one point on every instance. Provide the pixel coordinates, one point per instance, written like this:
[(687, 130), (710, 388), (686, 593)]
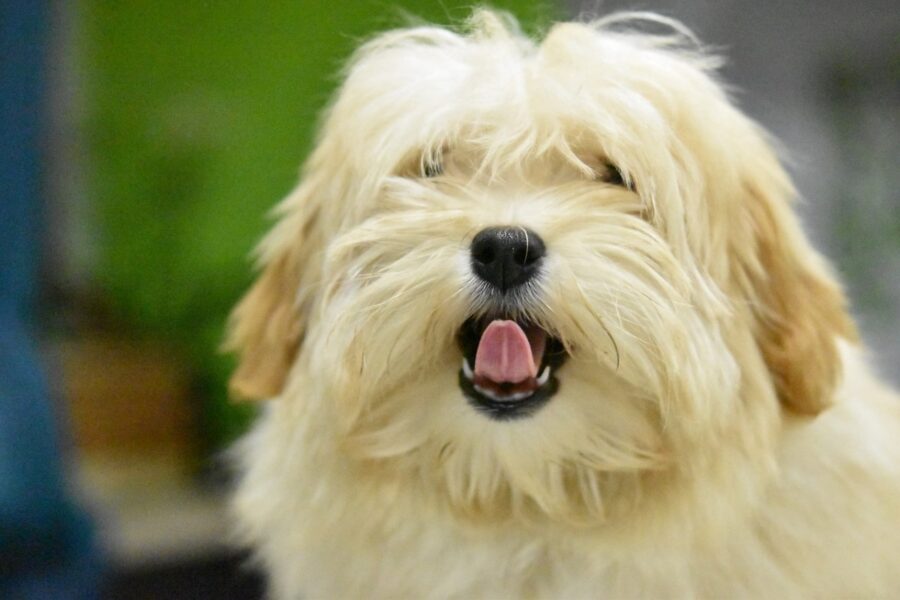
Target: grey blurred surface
[(824, 77)]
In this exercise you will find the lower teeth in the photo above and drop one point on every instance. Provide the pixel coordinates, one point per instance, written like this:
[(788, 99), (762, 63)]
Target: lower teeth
[(470, 375), (509, 398)]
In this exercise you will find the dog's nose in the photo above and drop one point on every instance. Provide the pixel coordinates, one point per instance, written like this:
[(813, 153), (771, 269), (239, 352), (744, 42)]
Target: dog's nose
[(506, 257)]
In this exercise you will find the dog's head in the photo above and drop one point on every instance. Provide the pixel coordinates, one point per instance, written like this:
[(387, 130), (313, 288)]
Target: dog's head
[(520, 270)]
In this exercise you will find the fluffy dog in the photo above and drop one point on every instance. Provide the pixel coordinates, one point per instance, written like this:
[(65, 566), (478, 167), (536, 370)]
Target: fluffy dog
[(539, 321)]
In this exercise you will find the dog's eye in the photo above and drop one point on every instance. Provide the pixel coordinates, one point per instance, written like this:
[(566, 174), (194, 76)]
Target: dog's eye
[(611, 175), (432, 168)]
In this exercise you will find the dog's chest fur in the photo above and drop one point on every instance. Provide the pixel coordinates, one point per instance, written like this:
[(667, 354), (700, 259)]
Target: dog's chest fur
[(827, 525)]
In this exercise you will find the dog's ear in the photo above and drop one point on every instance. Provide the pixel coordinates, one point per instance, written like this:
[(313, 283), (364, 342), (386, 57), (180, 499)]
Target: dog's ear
[(799, 307), (266, 327)]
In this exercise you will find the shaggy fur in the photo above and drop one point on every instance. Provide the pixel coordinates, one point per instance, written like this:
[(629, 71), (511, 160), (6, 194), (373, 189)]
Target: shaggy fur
[(716, 432)]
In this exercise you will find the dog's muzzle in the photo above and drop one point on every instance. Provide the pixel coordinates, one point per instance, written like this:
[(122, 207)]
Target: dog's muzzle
[(508, 364)]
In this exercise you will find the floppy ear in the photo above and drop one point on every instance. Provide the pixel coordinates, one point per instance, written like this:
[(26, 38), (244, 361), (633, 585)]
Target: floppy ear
[(266, 328), (798, 305)]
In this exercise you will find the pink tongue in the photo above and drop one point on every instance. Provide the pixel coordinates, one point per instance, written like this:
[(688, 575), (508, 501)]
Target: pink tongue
[(504, 354)]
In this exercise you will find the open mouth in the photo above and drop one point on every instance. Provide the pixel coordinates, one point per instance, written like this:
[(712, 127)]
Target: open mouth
[(508, 366)]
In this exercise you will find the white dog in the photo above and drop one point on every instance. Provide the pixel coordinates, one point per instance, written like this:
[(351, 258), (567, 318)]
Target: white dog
[(539, 321)]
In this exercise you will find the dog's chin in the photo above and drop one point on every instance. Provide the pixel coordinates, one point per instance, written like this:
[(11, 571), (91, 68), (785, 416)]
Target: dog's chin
[(505, 400)]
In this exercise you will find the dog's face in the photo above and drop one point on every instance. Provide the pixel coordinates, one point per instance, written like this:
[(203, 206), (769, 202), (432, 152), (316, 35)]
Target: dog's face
[(525, 274)]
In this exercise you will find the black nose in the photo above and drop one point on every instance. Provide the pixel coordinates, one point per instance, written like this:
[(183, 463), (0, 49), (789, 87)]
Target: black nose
[(506, 257)]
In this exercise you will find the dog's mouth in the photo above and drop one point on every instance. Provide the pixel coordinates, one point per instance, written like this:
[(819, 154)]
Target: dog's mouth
[(508, 367)]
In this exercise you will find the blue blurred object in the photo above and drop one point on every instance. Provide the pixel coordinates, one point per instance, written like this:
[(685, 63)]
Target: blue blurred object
[(46, 548)]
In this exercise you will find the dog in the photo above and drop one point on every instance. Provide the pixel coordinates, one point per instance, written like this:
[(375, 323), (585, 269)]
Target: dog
[(539, 321)]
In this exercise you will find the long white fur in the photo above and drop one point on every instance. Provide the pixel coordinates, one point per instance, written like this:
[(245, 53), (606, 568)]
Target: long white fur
[(672, 462)]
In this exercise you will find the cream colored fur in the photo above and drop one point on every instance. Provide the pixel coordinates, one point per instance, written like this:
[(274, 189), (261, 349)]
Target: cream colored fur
[(717, 433)]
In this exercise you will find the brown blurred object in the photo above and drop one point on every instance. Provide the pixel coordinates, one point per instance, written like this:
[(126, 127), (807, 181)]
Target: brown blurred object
[(126, 397), (138, 466)]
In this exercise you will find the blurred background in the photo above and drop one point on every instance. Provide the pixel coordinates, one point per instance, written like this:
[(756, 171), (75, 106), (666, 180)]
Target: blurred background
[(142, 144)]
